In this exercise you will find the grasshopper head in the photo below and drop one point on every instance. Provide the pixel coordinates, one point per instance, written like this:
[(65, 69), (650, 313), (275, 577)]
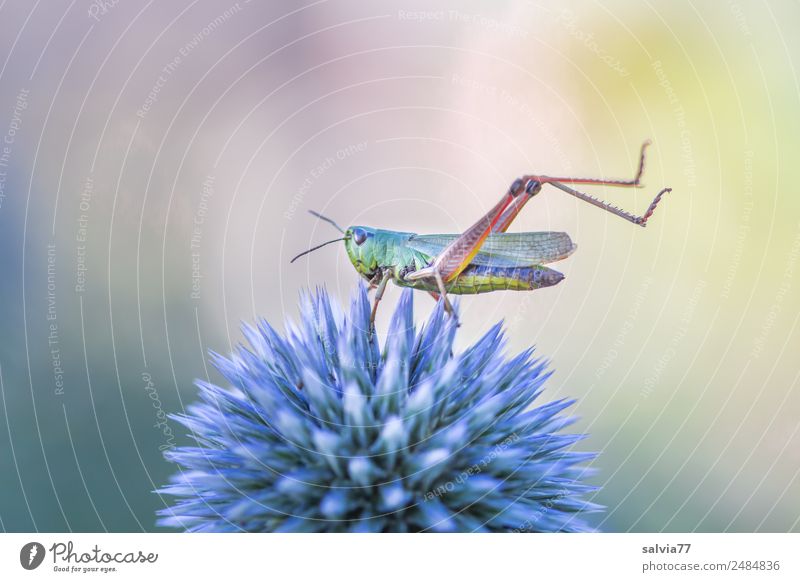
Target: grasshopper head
[(361, 246)]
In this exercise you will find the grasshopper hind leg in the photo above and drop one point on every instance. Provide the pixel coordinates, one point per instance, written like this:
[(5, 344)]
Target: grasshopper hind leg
[(561, 182)]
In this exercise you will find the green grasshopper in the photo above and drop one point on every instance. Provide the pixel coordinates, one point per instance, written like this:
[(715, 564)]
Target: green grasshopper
[(484, 257)]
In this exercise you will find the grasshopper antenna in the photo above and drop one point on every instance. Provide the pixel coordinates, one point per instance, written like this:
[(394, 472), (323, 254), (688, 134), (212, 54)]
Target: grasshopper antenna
[(328, 220), (311, 250)]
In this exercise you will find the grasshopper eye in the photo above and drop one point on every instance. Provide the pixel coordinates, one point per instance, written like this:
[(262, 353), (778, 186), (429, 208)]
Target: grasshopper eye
[(359, 235)]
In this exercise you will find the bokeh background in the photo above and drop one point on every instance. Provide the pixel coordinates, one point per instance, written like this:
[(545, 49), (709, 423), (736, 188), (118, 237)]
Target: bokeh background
[(158, 160)]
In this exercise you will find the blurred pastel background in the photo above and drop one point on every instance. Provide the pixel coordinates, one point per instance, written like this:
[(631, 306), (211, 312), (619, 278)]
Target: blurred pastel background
[(158, 160)]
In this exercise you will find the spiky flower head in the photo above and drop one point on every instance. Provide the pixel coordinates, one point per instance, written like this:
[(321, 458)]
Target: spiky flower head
[(321, 430)]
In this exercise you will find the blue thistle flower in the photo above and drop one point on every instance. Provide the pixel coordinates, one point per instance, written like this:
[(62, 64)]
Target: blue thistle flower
[(320, 430)]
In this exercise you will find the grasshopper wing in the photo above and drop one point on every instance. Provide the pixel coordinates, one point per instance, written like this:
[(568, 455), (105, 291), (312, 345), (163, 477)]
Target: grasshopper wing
[(507, 249)]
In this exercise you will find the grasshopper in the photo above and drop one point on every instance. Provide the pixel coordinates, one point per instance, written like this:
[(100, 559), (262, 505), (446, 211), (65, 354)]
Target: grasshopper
[(484, 257)]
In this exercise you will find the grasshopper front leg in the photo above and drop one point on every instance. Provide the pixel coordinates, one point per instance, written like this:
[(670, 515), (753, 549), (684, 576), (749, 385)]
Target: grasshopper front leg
[(385, 276)]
